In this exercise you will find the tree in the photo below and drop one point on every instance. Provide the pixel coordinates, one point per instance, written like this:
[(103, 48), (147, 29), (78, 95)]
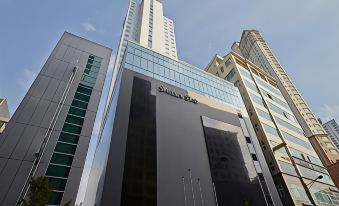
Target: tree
[(40, 189), (39, 192)]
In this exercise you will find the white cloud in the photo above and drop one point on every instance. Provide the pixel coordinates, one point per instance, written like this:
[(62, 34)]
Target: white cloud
[(89, 27), (26, 79), (328, 112)]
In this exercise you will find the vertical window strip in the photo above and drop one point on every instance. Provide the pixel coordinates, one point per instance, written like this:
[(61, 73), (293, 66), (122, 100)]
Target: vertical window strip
[(62, 157)]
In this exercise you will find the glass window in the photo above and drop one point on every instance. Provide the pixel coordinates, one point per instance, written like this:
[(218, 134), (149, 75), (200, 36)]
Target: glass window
[(270, 130), (77, 111), (57, 184), (329, 144), (257, 99), (298, 192), (280, 111), (98, 59), (289, 126), (268, 86), (287, 167), (84, 90), (91, 73), (297, 140), (228, 62), (230, 75), (96, 64), (275, 99), (88, 79), (71, 128), (245, 72), (62, 159), (65, 148), (74, 120), (264, 114), (79, 104), (55, 198), (70, 138), (57, 171), (251, 86)]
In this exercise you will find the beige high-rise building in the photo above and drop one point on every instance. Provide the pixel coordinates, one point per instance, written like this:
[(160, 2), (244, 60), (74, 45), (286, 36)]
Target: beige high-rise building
[(299, 175), (254, 48), (4, 114)]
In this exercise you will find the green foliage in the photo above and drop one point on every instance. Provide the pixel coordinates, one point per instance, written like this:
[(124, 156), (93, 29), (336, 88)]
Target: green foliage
[(39, 192)]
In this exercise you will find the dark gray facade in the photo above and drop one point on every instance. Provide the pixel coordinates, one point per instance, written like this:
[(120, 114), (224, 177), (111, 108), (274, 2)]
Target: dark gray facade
[(53, 124), (161, 147)]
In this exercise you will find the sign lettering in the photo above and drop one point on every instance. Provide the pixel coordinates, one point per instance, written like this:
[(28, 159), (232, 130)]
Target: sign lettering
[(177, 95)]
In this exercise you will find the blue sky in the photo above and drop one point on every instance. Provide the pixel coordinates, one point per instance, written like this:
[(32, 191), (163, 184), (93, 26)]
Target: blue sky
[(303, 34)]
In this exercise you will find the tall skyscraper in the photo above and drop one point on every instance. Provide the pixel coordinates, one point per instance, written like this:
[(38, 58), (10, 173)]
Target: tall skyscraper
[(292, 160), (146, 25), (254, 48), (4, 114), (176, 135), (332, 129), (50, 131)]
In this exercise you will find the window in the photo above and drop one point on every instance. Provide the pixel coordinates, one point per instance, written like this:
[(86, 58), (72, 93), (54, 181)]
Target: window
[(57, 184), (264, 114), (79, 104), (270, 130), (333, 151), (57, 171), (222, 69), (77, 111), (254, 157), (248, 140), (228, 62), (65, 148), (257, 99), (71, 128), (289, 126), (84, 90), (329, 144), (62, 159), (298, 192), (251, 86), (74, 120), (55, 198), (297, 140), (281, 112), (230, 75), (70, 138)]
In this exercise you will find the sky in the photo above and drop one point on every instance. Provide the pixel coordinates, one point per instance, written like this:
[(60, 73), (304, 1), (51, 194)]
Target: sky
[(303, 34)]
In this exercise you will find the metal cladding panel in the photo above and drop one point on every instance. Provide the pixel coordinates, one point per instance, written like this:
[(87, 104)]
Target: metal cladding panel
[(24, 135)]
